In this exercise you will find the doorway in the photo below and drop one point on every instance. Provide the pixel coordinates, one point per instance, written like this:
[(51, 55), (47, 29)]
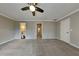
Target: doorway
[(39, 31)]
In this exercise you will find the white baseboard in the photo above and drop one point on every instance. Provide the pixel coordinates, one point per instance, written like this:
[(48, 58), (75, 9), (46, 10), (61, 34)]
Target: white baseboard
[(71, 44), (25, 39), (42, 38), (6, 41), (74, 45)]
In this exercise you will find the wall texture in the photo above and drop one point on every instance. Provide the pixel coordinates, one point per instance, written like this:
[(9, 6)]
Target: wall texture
[(49, 30), (7, 29)]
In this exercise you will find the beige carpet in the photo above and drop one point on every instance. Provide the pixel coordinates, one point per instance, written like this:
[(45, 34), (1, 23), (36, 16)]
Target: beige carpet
[(37, 48)]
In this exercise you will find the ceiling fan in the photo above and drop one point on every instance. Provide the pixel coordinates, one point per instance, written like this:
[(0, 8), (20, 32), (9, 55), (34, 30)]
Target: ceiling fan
[(32, 7)]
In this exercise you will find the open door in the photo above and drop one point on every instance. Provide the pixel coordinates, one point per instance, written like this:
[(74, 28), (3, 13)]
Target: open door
[(39, 31)]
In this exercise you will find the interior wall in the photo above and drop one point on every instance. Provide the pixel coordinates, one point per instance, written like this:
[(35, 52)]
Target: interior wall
[(7, 29), (48, 32), (58, 30), (74, 29)]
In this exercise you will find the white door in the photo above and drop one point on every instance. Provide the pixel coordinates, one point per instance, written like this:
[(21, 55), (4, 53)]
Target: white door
[(65, 30)]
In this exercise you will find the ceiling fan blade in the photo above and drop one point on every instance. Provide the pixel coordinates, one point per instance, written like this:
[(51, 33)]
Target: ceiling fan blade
[(25, 8), (39, 9), (33, 13)]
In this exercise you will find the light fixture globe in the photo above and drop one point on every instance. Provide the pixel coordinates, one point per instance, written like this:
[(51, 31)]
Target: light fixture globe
[(32, 8)]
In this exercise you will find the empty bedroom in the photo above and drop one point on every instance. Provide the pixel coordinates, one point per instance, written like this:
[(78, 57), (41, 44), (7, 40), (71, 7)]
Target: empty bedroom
[(39, 29)]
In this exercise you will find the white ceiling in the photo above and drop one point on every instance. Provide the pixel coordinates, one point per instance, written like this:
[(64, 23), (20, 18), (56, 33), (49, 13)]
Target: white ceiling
[(51, 11)]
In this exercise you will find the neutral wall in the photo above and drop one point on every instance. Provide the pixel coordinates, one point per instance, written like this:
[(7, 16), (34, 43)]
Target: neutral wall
[(58, 30), (49, 30), (74, 29), (7, 29)]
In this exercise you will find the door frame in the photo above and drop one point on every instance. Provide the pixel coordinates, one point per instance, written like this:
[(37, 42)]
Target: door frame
[(36, 29)]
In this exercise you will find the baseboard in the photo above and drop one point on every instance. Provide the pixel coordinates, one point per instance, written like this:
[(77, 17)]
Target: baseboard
[(74, 45), (49, 38), (6, 41), (70, 44), (25, 39), (42, 38)]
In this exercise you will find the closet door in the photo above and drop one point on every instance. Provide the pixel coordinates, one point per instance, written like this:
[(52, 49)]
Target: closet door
[(65, 30)]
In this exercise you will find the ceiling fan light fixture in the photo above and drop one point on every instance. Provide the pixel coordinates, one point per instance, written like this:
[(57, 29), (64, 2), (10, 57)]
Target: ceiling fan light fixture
[(32, 8)]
